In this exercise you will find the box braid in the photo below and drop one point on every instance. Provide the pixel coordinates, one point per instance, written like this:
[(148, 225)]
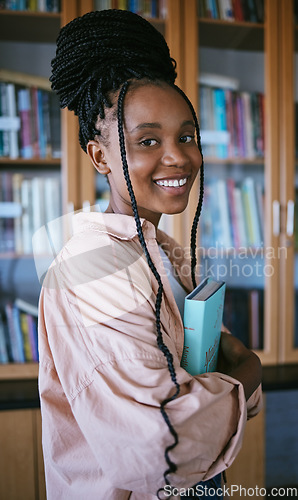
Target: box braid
[(172, 466), (194, 228), (98, 54)]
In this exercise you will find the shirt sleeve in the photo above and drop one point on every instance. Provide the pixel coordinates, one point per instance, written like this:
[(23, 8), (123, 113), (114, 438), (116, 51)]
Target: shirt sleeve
[(113, 378)]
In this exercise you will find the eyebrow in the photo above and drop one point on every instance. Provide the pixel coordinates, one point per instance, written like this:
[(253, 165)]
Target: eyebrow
[(158, 125)]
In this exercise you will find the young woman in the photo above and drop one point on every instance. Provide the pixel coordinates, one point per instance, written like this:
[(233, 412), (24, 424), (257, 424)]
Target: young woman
[(121, 418)]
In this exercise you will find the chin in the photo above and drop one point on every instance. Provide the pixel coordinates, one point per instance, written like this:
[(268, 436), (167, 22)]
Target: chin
[(175, 210)]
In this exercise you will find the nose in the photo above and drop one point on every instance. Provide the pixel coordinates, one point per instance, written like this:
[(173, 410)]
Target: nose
[(174, 156)]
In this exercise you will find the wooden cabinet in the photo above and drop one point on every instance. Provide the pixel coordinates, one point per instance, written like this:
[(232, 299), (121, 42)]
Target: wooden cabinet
[(21, 462), (288, 306), (260, 55)]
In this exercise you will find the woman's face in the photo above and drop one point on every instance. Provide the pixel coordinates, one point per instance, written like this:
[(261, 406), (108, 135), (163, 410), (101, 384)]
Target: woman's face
[(162, 154)]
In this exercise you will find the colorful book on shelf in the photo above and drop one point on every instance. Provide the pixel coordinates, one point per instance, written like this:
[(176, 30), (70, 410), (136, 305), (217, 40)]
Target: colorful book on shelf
[(15, 334), (18, 332), (29, 117), (240, 218), (224, 215), (203, 313), (251, 212), (220, 120), (4, 347)]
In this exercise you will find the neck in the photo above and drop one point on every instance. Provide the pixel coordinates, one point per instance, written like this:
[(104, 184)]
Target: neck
[(143, 214)]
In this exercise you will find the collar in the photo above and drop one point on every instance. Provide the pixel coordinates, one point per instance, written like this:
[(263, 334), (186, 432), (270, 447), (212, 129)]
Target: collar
[(118, 225)]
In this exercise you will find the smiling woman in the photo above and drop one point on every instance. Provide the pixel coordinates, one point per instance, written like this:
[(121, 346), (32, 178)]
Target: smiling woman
[(162, 155), (121, 418)]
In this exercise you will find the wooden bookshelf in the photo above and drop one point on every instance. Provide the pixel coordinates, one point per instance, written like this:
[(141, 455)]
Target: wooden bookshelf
[(233, 161), (18, 371), (28, 26), (220, 34)]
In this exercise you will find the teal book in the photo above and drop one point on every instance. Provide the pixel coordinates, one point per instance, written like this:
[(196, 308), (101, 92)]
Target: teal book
[(203, 312)]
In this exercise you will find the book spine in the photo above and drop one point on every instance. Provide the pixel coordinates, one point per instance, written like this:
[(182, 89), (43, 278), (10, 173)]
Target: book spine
[(222, 119), (41, 125), (27, 222), (12, 113), (33, 336), (4, 113), (7, 196), (4, 357), (37, 184), (224, 213), (25, 335), (241, 226), (192, 341), (17, 180), (15, 352), (232, 212), (24, 112), (34, 122), (252, 212)]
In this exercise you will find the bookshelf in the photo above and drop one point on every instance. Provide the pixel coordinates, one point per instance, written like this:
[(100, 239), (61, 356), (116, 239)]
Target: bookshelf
[(271, 46), (33, 32), (253, 53), (266, 49), (29, 35), (27, 43)]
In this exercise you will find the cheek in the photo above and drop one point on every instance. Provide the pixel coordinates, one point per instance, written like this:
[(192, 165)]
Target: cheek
[(197, 161)]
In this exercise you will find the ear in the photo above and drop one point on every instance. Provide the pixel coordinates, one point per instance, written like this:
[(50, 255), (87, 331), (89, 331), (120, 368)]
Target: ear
[(95, 152)]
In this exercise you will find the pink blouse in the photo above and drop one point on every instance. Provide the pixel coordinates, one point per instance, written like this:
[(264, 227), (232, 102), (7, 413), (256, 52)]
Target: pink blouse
[(102, 376)]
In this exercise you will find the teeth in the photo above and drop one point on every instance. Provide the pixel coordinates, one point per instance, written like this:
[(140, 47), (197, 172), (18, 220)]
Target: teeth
[(172, 183)]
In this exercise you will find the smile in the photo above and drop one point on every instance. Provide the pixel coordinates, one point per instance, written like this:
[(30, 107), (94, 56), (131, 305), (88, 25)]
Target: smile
[(172, 182)]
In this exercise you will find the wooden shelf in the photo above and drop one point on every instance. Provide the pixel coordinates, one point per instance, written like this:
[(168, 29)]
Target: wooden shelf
[(219, 34), (234, 161), (27, 26), (18, 371), (32, 162)]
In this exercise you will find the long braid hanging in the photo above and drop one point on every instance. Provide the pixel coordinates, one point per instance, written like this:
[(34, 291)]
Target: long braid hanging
[(172, 466), (194, 229)]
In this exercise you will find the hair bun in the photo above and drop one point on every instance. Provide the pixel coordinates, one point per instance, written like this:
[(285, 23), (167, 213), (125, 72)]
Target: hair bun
[(101, 50)]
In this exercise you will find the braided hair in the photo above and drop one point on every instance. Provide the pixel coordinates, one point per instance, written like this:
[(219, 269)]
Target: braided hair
[(97, 55)]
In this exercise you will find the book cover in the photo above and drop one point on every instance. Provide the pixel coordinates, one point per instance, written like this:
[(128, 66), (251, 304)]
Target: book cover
[(203, 312)]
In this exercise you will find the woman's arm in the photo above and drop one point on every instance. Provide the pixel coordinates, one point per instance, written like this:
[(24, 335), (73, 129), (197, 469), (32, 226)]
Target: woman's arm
[(240, 363)]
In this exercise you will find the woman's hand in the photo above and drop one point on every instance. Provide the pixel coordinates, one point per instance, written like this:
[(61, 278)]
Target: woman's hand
[(236, 360)]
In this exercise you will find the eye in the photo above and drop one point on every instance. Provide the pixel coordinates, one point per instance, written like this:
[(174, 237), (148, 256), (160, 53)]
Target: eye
[(185, 139), (148, 142)]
